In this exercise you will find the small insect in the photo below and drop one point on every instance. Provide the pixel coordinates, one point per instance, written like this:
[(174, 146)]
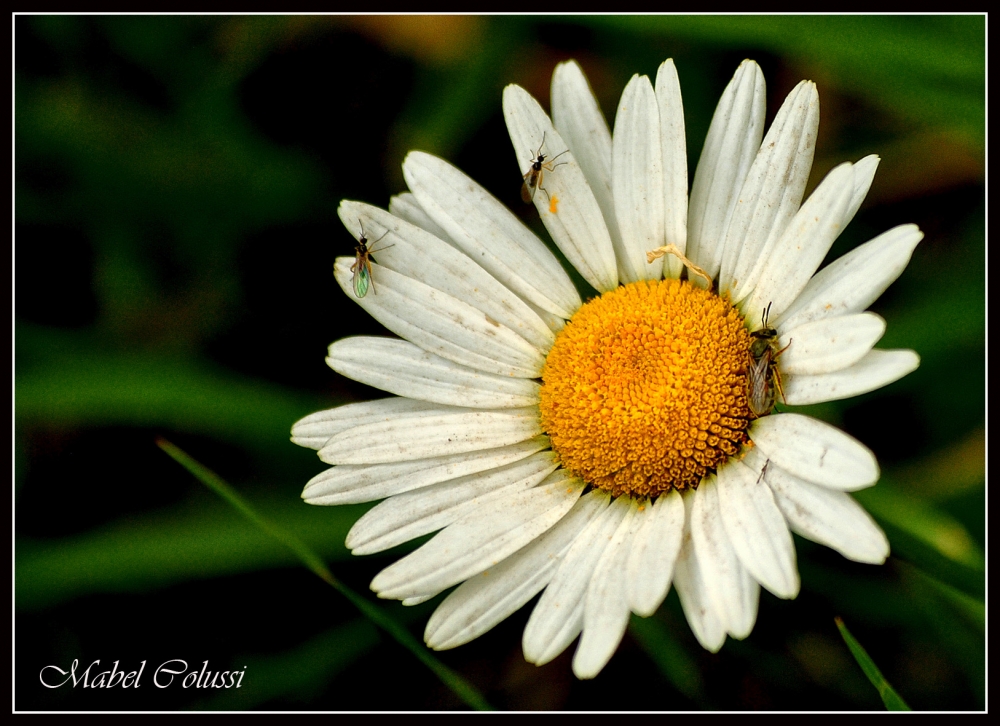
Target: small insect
[(361, 270), (763, 471), (763, 377), (533, 177)]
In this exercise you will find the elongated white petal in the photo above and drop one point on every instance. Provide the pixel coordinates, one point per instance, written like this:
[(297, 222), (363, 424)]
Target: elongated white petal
[(490, 233), (480, 540), (730, 592), (750, 592), (829, 344), (637, 181), (351, 484), (408, 370), (876, 369), (316, 429), (689, 580), (853, 282), (442, 324), (431, 433), (829, 517), (555, 322), (803, 245), (803, 257), (673, 145), (580, 122), (486, 599), (558, 617), (411, 251), (757, 530), (406, 207), (411, 601), (567, 205), (815, 451), (864, 175), (605, 608), (730, 147), (655, 548), (407, 516), (772, 192)]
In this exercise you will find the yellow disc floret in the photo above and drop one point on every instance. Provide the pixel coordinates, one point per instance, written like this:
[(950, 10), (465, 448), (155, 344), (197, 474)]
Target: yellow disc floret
[(644, 390)]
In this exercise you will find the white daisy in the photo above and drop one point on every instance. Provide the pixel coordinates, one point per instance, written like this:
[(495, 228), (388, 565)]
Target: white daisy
[(599, 453)]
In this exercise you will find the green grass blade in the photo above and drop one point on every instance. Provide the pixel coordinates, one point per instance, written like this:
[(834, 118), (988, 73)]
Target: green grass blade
[(890, 698), (458, 685)]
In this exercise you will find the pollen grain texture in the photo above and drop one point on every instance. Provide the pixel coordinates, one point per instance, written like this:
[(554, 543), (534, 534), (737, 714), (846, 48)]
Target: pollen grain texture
[(644, 390)]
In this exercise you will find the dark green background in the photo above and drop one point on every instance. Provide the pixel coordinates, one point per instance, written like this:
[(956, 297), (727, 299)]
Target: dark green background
[(176, 183)]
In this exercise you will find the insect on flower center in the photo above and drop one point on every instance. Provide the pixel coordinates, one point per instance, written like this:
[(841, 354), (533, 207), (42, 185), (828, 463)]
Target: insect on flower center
[(645, 389)]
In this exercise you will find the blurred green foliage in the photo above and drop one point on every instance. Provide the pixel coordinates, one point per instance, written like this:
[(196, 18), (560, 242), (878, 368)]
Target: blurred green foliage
[(176, 180)]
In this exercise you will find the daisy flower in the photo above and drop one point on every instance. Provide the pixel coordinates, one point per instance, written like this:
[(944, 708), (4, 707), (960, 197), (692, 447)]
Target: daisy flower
[(600, 452)]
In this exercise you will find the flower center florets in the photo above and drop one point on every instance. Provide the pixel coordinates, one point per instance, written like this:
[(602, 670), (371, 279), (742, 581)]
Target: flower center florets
[(645, 390)]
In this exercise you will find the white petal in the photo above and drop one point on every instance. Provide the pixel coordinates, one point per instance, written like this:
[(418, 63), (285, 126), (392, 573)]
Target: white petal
[(431, 433), (408, 370), (654, 552), (365, 483), (411, 251), (555, 322), (605, 608), (757, 530), (750, 591), (815, 451), (480, 540), (411, 601), (406, 207), (490, 233), (442, 324), (853, 282), (731, 592), (486, 599), (558, 617), (730, 146), (637, 181), (316, 429), (876, 369), (689, 580), (673, 144), (416, 513), (567, 207), (579, 120), (864, 175), (829, 517), (773, 191), (829, 344), (803, 245)]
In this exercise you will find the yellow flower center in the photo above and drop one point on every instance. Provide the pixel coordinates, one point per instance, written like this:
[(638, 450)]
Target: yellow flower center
[(644, 390)]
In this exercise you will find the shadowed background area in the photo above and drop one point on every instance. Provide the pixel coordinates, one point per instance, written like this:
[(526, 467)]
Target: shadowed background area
[(176, 187)]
